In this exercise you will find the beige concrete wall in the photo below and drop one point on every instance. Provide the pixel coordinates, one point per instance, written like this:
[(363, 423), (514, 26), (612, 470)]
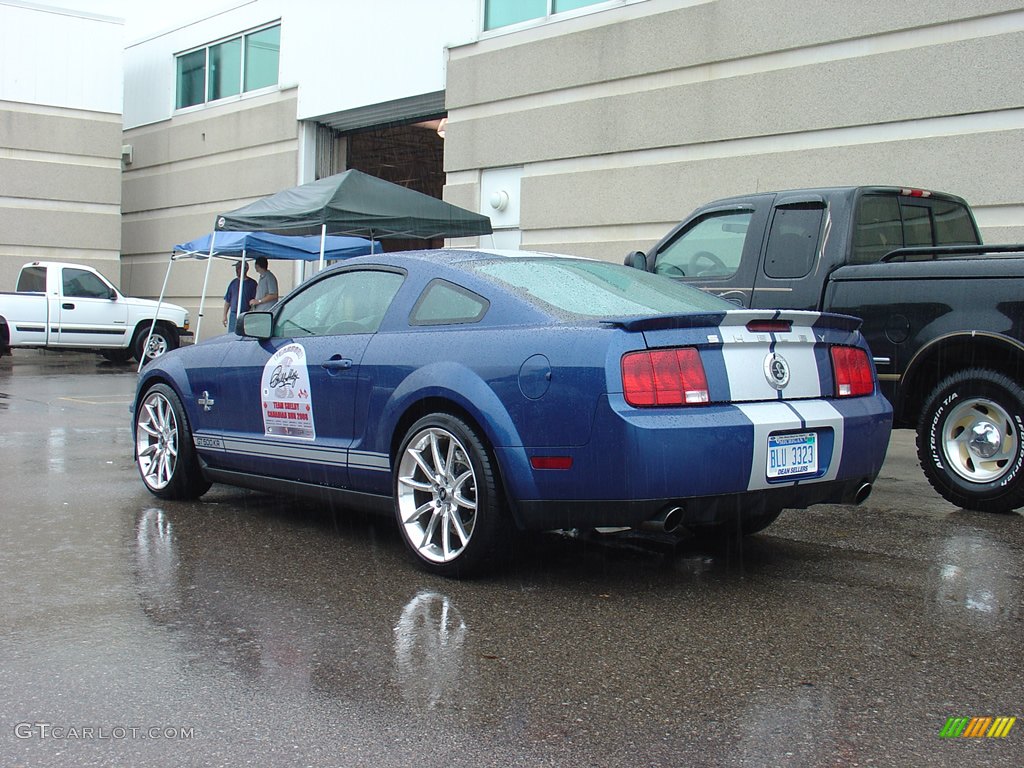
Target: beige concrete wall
[(627, 119), (60, 189), (187, 170)]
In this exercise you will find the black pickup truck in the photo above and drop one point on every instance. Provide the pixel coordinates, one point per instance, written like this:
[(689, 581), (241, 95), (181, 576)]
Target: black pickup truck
[(943, 313)]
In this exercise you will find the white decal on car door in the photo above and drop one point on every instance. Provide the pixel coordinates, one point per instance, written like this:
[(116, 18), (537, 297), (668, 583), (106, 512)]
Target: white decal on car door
[(287, 404)]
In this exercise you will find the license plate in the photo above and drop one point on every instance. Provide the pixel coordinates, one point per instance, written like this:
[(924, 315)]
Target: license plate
[(792, 455)]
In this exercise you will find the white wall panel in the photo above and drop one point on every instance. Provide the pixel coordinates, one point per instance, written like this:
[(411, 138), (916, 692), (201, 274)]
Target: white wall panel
[(60, 58), (343, 55)]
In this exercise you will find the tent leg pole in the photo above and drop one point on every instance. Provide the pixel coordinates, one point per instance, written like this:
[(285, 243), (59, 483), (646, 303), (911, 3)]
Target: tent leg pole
[(323, 239), (156, 314), (206, 282), (241, 283)]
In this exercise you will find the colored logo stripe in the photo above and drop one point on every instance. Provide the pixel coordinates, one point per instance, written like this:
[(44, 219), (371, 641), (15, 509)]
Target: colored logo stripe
[(977, 727)]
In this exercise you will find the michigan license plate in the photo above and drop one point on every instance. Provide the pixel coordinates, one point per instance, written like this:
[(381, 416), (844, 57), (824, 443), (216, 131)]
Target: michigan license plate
[(792, 455)]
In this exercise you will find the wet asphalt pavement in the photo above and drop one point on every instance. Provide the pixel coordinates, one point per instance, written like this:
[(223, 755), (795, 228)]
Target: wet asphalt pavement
[(244, 630)]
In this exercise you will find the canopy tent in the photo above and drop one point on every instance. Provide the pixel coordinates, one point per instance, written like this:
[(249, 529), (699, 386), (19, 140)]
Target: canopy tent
[(253, 244), (354, 203)]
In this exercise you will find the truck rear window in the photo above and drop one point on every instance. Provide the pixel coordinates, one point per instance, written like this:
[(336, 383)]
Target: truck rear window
[(32, 280), (887, 222)]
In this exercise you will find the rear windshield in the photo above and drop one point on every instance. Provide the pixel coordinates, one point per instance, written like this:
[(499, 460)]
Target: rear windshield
[(32, 280), (598, 289)]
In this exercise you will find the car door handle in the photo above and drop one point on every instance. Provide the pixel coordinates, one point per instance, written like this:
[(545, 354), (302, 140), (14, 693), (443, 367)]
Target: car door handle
[(67, 305), (336, 364)]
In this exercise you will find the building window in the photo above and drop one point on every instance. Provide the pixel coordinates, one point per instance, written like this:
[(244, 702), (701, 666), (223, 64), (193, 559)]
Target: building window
[(503, 13), (230, 67)]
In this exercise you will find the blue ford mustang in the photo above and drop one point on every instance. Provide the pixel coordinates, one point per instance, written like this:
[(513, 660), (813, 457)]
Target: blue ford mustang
[(473, 394)]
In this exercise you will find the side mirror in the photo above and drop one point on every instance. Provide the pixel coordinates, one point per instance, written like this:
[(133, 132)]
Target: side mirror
[(257, 325), (637, 260)]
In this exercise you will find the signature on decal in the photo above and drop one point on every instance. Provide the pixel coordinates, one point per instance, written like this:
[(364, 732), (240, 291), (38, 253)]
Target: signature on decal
[(282, 378)]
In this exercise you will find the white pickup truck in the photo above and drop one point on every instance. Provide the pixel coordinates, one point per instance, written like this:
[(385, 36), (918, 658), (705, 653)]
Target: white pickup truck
[(71, 306)]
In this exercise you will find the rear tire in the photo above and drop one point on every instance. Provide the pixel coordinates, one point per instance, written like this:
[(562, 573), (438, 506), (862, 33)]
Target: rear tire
[(970, 441), (448, 506), (164, 451)]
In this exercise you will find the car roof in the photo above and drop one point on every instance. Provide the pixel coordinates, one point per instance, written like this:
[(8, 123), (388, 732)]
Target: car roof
[(451, 257)]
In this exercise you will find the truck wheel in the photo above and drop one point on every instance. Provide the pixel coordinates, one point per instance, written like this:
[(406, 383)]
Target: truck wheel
[(447, 503), (162, 341), (164, 452), (970, 441)]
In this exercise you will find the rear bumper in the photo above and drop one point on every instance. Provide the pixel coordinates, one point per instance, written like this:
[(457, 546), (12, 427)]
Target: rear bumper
[(711, 462), (697, 512)]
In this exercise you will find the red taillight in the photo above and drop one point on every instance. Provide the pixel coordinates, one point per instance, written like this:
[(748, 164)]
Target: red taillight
[(852, 372), (664, 377)]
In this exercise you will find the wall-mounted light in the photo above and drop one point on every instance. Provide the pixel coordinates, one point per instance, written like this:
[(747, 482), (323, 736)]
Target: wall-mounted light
[(499, 200), (127, 154)]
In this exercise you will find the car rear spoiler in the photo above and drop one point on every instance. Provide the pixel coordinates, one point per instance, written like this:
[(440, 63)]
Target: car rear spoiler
[(738, 317)]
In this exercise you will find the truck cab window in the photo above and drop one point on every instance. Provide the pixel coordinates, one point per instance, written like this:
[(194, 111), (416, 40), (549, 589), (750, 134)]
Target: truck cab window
[(32, 280), (713, 247), (877, 230), (917, 225), (937, 222), (793, 240), (80, 284), (953, 224)]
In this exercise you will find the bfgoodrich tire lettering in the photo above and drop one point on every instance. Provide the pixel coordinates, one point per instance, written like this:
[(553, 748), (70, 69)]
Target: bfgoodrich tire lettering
[(449, 510), (164, 452), (970, 441)]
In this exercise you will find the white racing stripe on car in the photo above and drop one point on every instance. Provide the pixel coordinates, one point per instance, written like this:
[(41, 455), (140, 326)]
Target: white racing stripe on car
[(745, 354), (368, 460), (785, 417), (286, 451), (291, 451)]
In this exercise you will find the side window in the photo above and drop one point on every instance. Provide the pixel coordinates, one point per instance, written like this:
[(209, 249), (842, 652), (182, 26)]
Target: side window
[(713, 247), (444, 303), (793, 240), (344, 303), (79, 284), (32, 280), (877, 230)]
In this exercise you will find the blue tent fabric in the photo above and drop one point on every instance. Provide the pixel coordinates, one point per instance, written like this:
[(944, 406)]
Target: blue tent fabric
[(304, 248)]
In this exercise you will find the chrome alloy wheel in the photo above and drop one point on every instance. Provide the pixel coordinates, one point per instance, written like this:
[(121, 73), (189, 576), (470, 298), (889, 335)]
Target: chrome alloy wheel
[(437, 495), (156, 440), (157, 346), (979, 440)]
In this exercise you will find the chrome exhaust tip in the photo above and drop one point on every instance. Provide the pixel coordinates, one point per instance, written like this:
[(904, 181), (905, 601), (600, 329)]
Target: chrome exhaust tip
[(668, 521), (862, 493)]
